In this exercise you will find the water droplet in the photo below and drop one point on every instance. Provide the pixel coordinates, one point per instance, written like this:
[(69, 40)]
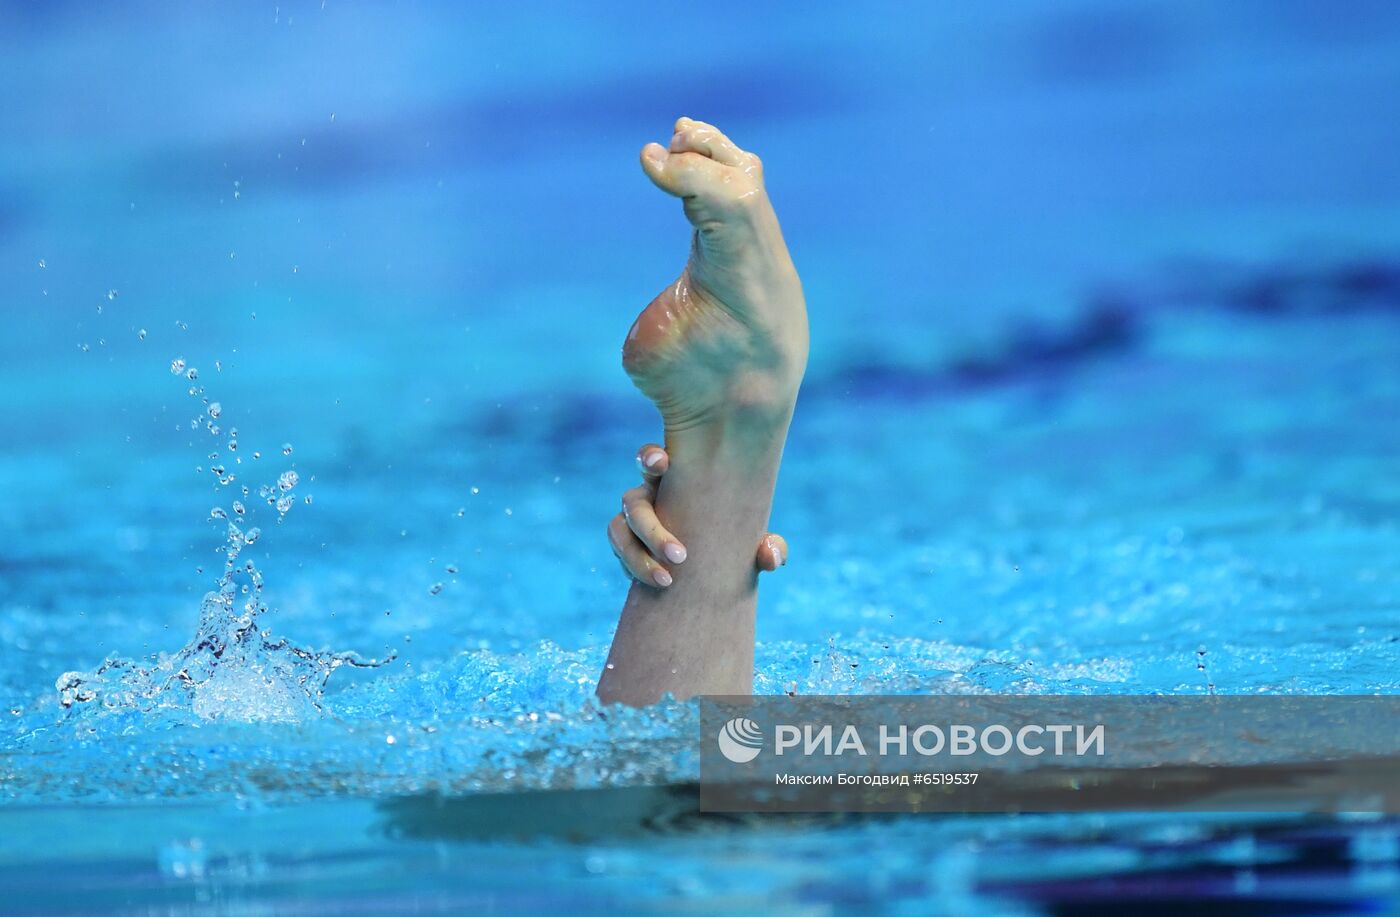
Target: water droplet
[(284, 504), (436, 588), (43, 263), (257, 455), (252, 535), (461, 511), (308, 499), (239, 508), (215, 409), (141, 335), (84, 348), (451, 568), (111, 294), (177, 366), (183, 326), (192, 374), (218, 513), (476, 490), (286, 448), (287, 480)]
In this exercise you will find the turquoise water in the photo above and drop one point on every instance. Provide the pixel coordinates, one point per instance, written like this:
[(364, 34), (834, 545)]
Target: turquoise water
[(1106, 328)]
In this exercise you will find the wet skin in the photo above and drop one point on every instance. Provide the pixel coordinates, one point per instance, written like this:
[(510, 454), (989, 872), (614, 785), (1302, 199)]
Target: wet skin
[(721, 352)]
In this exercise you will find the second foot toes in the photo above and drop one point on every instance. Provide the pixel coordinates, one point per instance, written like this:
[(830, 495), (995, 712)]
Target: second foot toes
[(701, 162), (706, 139)]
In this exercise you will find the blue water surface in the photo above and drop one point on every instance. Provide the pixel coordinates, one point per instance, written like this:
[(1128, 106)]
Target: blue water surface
[(1103, 394)]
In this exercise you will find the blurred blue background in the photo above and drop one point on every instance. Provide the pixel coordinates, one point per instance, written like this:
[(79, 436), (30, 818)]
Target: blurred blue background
[(411, 236), (1104, 367)]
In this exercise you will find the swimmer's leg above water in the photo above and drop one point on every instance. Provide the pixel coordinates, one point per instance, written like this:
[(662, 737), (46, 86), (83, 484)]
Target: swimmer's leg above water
[(721, 352), (646, 548)]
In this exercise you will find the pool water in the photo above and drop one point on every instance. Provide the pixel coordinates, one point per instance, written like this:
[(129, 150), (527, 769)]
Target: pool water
[(1102, 399)]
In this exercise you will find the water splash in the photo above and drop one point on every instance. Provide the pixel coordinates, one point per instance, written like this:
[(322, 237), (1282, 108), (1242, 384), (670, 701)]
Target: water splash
[(232, 668)]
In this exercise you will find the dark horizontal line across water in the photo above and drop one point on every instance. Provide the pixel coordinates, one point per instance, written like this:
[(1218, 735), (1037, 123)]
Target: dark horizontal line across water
[(1117, 322), (1110, 324)]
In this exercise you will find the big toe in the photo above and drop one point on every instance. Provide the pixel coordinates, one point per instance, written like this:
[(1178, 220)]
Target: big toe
[(684, 174), (702, 165)]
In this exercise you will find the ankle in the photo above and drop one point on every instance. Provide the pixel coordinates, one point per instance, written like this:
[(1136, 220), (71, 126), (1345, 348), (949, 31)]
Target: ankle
[(747, 429)]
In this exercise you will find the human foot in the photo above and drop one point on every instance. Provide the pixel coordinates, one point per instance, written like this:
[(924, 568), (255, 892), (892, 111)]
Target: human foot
[(728, 339)]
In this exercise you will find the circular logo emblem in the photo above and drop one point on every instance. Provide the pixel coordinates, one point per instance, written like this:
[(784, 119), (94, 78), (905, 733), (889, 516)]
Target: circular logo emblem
[(740, 740)]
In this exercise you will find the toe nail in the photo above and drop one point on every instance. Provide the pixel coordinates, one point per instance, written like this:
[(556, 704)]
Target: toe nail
[(663, 579), (675, 553)]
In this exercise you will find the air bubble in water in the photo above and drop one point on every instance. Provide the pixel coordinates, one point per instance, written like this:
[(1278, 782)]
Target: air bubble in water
[(141, 335), (287, 480), (308, 499), (436, 588), (284, 504), (218, 513), (257, 455), (286, 448), (177, 366), (192, 374), (215, 409), (451, 568), (239, 508), (252, 535)]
